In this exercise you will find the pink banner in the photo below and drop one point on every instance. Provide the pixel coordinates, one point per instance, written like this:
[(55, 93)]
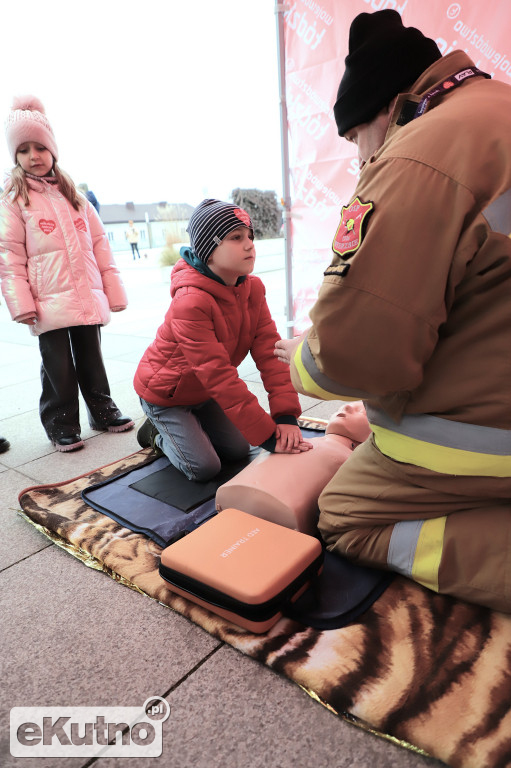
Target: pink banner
[(323, 167)]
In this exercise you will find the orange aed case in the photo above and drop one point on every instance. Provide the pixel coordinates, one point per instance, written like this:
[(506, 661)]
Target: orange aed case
[(242, 568)]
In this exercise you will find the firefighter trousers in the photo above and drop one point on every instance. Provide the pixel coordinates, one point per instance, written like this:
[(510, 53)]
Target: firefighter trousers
[(450, 533)]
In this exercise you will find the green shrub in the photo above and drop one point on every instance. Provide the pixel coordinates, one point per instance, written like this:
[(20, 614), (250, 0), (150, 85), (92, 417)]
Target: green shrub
[(168, 256)]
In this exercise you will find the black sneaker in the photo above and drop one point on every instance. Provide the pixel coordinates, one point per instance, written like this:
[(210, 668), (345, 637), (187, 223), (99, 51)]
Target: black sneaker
[(122, 424), (4, 445), (68, 443), (147, 434)]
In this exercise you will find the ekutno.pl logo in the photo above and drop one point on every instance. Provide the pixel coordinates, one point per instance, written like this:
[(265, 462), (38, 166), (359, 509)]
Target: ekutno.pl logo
[(89, 731)]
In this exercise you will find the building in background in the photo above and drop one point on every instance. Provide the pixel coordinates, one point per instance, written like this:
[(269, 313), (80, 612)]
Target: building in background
[(156, 222)]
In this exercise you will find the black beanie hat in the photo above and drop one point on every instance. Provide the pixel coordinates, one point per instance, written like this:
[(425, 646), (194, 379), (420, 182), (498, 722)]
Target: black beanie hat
[(384, 57), (211, 222)]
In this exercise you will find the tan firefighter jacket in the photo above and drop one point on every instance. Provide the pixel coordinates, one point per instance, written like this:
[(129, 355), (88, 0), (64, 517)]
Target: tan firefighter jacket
[(414, 315)]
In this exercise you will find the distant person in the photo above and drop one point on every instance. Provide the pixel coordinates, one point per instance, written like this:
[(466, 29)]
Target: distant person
[(89, 194), (132, 236), (59, 277), (199, 411)]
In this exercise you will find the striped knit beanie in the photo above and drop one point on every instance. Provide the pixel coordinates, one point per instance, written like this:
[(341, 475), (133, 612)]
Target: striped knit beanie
[(211, 222), (27, 121)]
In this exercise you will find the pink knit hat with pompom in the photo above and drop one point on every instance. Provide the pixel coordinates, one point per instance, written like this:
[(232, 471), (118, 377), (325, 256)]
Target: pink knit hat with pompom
[(27, 121)]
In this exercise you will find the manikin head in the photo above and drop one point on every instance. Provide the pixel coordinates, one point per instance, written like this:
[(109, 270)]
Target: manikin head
[(350, 421)]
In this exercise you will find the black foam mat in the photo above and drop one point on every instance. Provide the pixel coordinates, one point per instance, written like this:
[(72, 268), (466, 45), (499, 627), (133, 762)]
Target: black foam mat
[(170, 486)]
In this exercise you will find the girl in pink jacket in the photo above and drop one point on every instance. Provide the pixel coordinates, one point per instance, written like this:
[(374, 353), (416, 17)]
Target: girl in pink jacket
[(199, 411), (59, 277)]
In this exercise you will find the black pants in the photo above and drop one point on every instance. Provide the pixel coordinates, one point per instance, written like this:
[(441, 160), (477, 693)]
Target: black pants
[(72, 359), (134, 247)]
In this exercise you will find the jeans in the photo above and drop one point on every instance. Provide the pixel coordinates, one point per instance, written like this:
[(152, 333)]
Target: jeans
[(196, 438)]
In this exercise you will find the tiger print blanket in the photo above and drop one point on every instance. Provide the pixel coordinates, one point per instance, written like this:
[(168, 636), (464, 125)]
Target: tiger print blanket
[(419, 668)]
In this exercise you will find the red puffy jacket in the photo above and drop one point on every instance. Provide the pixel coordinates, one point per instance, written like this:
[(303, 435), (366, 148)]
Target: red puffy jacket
[(208, 330)]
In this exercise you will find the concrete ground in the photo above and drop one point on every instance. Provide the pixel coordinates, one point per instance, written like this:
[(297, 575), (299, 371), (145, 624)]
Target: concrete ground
[(73, 637)]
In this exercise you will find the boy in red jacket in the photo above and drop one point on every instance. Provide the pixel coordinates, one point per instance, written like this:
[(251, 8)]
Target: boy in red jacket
[(199, 412)]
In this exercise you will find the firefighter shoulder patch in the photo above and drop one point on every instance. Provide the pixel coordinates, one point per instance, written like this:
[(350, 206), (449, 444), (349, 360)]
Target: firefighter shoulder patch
[(348, 237)]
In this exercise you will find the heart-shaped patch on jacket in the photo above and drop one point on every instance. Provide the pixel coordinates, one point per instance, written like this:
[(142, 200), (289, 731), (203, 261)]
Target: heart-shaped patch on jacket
[(47, 225), (80, 224)]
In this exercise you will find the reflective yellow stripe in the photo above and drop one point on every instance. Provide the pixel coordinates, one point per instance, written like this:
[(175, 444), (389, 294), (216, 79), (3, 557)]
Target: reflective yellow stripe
[(310, 385), (429, 552), (439, 458), (308, 382)]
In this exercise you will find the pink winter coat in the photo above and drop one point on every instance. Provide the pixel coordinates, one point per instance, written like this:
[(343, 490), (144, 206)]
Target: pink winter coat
[(208, 331), (55, 262)]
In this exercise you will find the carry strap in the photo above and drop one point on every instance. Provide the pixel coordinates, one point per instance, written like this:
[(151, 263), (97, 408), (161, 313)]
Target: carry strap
[(451, 82), (411, 110)]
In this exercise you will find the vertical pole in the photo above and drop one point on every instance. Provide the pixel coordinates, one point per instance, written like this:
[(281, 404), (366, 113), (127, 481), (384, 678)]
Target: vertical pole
[(286, 215), (149, 233)]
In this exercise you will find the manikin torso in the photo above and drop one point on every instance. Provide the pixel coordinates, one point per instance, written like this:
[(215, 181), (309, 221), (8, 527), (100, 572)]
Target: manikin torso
[(285, 488)]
